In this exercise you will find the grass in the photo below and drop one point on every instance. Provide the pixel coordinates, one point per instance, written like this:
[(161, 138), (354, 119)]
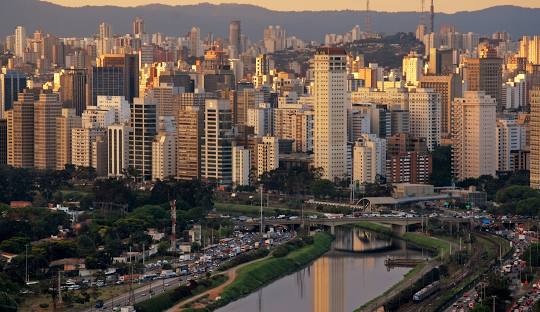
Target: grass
[(259, 274)]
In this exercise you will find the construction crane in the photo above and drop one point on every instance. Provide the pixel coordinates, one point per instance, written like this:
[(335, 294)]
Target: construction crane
[(367, 19)]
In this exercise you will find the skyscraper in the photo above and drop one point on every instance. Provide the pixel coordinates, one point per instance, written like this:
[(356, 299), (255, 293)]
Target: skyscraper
[(143, 125), (425, 116), (474, 150), (234, 38), (138, 27), (46, 110), (485, 74), (11, 83), (118, 150), (73, 89), (330, 94), (65, 124), (20, 41), (241, 167), (116, 75), (20, 121), (216, 164), (164, 156), (267, 155), (190, 129), (195, 42), (369, 159)]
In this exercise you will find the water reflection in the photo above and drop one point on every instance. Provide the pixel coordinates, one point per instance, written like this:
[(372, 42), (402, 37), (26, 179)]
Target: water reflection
[(348, 276)]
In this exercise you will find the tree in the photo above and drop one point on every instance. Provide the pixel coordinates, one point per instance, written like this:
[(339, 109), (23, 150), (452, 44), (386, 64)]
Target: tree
[(323, 188), (7, 303), (515, 193)]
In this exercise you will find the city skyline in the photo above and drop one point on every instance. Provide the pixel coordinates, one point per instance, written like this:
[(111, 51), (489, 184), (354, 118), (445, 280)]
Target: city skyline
[(282, 5)]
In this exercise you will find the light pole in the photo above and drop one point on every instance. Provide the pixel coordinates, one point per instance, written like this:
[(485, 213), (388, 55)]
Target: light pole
[(26, 264), (262, 224)]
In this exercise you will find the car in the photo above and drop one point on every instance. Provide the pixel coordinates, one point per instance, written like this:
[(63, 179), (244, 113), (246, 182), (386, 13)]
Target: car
[(99, 304)]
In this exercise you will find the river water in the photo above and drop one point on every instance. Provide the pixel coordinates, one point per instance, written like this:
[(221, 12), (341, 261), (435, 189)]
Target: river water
[(345, 278)]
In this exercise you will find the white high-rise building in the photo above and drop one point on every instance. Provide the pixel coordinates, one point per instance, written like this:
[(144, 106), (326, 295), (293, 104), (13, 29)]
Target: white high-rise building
[(369, 159), (474, 148), (118, 104), (267, 155), (241, 166), (216, 151), (515, 92), (95, 117), (425, 116), (511, 136), (164, 156), (195, 42), (118, 149), (260, 118), (331, 102), (20, 41)]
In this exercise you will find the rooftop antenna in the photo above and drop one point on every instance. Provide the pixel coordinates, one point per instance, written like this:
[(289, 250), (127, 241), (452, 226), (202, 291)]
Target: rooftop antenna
[(422, 17), (432, 17)]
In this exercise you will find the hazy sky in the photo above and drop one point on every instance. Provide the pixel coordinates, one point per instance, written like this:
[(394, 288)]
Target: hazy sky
[(285, 5)]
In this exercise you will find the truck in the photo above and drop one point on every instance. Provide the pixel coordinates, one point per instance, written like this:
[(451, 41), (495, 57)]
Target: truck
[(167, 274)]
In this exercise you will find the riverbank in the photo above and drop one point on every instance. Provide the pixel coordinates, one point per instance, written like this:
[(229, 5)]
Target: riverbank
[(261, 273), (440, 247)]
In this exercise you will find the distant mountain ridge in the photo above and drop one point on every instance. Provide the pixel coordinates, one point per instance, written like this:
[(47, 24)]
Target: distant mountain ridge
[(308, 25)]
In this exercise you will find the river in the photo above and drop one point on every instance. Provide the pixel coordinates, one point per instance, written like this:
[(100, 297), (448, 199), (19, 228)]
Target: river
[(345, 278)]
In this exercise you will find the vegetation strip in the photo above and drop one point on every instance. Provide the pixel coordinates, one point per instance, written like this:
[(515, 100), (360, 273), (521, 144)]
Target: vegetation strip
[(168, 299), (259, 274)]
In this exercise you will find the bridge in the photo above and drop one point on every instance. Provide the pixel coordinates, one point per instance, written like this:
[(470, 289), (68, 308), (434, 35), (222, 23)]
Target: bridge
[(396, 223)]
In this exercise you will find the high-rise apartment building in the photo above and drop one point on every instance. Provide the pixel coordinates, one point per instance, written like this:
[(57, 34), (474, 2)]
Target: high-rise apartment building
[(64, 126), (413, 68), (369, 159), (267, 155), (118, 106), (195, 42), (3, 142), (216, 163), (20, 41), (164, 95), (241, 167), (118, 149), (89, 149), (190, 130), (449, 87), (143, 126), (138, 27), (164, 156), (474, 150), (46, 110), (511, 140), (330, 130), (535, 138), (425, 116), (243, 100), (20, 122)]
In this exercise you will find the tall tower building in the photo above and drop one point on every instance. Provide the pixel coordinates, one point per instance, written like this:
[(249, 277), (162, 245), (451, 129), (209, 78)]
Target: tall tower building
[(195, 42), (413, 68), (138, 27), (73, 89), (216, 164), (20, 121), (235, 34), (190, 129), (46, 110), (241, 167), (425, 116), (143, 125), (449, 87), (105, 40), (330, 94), (11, 83), (20, 41), (369, 159), (535, 138), (64, 126), (485, 74), (116, 75), (474, 150), (164, 156), (118, 150), (267, 155)]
